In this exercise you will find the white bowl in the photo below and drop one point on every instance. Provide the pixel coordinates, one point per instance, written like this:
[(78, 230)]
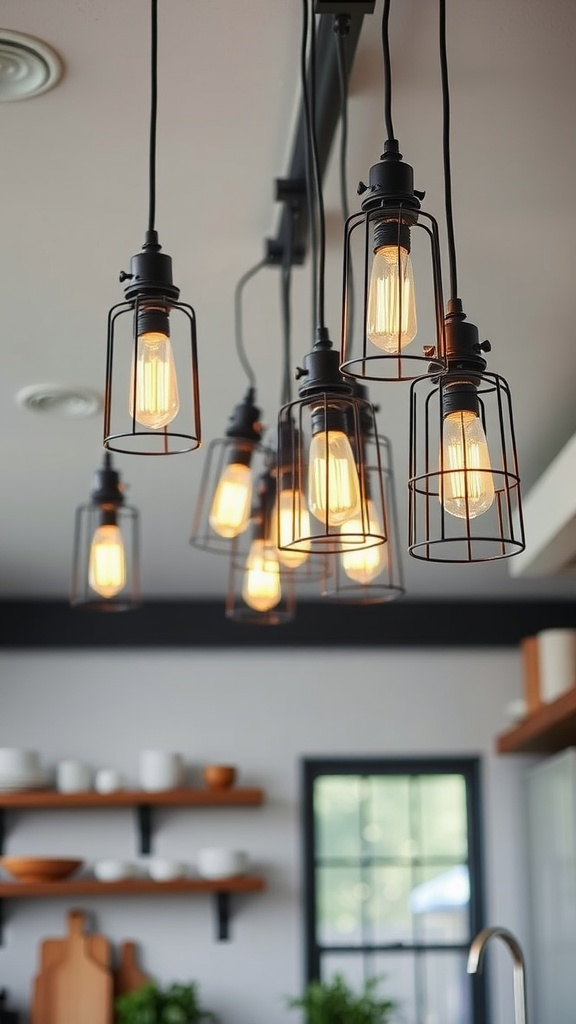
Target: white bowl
[(163, 870), (114, 870), (14, 761), (218, 862)]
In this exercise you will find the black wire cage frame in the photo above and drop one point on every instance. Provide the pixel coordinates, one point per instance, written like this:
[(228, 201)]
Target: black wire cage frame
[(339, 584), (299, 421), (122, 432), (88, 518), (395, 226), (265, 572), (462, 476)]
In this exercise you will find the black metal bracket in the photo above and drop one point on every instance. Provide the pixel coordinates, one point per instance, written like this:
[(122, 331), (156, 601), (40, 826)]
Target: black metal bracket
[(144, 814), (2, 830), (2, 903), (222, 907)]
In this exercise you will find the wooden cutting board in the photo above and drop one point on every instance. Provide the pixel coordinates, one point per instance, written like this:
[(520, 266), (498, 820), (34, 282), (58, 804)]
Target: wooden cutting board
[(128, 977), (74, 985)]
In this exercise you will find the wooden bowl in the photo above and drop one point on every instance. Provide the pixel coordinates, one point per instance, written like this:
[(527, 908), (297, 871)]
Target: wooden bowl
[(40, 869), (219, 776)]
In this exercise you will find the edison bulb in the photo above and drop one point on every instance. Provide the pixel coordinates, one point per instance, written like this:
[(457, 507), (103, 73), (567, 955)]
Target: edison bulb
[(261, 589), (333, 484), (157, 402), (467, 483), (391, 318), (230, 510), (364, 561), (107, 564), (293, 519)]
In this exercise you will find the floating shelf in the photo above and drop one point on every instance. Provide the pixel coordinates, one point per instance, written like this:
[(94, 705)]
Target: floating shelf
[(552, 727), (184, 797)]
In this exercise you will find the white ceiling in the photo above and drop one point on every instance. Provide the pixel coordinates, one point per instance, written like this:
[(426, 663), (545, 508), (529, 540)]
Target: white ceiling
[(73, 206)]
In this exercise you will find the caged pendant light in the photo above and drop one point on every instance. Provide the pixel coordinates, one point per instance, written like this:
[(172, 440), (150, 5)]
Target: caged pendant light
[(224, 506), (464, 485), (259, 592), (320, 447), (399, 332), (152, 402), (105, 569)]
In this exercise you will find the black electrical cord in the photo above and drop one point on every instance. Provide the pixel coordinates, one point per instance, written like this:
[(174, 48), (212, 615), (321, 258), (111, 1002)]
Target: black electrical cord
[(341, 27), (316, 177), (285, 300), (241, 351), (446, 154), (387, 71), (153, 114)]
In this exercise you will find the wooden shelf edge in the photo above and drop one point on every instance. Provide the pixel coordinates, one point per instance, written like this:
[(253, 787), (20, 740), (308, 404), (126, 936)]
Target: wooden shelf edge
[(552, 727), (132, 887), (185, 797)]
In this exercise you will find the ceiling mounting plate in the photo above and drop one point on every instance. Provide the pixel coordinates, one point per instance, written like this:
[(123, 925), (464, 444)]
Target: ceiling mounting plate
[(28, 66), (71, 403)]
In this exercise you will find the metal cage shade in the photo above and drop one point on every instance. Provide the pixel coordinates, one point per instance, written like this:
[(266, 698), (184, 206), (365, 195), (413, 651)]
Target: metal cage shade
[(89, 518), (276, 588), (123, 432), (383, 300), (453, 467), (337, 521), (373, 575), (219, 456)]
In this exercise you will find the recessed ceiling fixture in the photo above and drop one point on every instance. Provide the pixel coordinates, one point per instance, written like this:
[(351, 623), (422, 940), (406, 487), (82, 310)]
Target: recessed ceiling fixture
[(28, 66), (152, 401), (70, 403)]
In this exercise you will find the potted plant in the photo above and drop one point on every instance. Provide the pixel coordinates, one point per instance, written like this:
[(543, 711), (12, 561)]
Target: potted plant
[(178, 1004), (333, 1002)]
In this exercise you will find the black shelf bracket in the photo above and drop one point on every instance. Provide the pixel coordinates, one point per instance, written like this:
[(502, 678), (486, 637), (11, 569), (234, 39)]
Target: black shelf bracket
[(222, 907), (144, 815), (2, 906)]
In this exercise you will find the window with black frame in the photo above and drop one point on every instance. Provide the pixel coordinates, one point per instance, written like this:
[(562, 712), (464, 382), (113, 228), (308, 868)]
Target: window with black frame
[(393, 885)]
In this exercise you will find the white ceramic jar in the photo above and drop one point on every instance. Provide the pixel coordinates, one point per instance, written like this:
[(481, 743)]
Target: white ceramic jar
[(160, 769), (73, 777), (556, 662), (219, 862)]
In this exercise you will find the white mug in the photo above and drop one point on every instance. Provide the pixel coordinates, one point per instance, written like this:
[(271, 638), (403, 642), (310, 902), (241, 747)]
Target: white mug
[(73, 777), (108, 780), (160, 769)]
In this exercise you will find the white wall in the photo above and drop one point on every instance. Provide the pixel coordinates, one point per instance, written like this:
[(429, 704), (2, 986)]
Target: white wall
[(261, 710)]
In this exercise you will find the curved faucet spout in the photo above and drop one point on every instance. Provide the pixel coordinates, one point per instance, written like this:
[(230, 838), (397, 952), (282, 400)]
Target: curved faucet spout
[(476, 955)]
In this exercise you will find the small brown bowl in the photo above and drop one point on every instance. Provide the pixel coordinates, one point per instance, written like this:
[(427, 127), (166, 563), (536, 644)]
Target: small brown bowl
[(219, 776), (40, 869)]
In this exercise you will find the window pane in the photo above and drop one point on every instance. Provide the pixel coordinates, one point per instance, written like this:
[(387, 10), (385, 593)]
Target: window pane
[(337, 803), (446, 989), (440, 904), (389, 904), (341, 893), (397, 971), (442, 816), (386, 830)]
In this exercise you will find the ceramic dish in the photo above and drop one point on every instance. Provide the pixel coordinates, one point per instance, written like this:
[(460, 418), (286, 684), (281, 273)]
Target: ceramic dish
[(40, 869)]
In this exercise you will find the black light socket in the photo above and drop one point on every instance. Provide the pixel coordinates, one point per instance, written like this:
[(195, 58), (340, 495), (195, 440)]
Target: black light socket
[(106, 487), (390, 183), (329, 417), (153, 320), (244, 422), (391, 233), (322, 373), (150, 272), (461, 396)]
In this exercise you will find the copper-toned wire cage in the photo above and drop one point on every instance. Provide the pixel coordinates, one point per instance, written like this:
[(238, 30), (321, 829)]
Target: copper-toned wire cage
[(315, 527), (370, 575), (397, 307), (122, 431), (88, 519), (453, 469), (218, 457)]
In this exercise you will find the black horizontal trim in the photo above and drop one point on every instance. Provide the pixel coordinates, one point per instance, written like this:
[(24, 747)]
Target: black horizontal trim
[(50, 624)]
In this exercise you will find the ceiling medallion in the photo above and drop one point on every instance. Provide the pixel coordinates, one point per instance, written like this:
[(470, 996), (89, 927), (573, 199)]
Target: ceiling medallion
[(28, 66), (70, 403)]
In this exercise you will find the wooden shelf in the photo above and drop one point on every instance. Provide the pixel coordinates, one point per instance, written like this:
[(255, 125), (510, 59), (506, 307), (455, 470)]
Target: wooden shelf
[(550, 728), (131, 887), (51, 798)]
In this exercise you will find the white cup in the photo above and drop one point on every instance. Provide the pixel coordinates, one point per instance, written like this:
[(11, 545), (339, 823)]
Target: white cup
[(219, 862), (73, 777), (114, 870), (160, 769), (163, 870), (19, 762), (108, 780), (556, 662)]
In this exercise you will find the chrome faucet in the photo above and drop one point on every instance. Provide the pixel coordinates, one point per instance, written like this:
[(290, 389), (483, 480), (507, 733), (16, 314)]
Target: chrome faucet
[(476, 954)]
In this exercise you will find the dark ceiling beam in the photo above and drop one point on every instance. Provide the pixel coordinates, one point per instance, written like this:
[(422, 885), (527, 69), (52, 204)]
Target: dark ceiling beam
[(202, 624), (327, 96)]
